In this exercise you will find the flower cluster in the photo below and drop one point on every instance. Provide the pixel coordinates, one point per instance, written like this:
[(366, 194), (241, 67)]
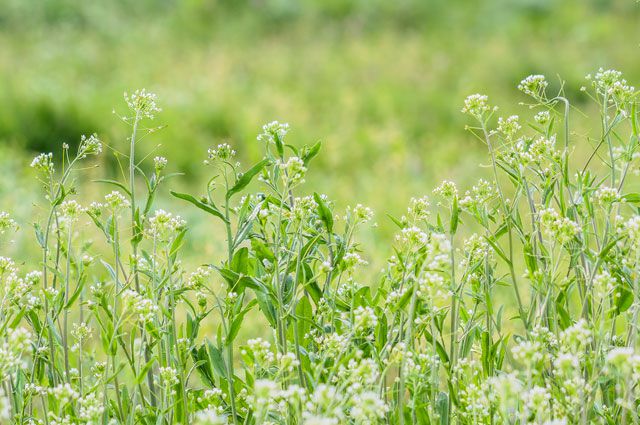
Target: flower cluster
[(143, 103)]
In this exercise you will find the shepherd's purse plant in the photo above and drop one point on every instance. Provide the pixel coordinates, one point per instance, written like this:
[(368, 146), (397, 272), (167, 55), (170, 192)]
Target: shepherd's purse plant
[(516, 301)]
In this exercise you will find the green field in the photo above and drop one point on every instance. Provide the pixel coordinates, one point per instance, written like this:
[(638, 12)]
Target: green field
[(379, 83), (310, 212)]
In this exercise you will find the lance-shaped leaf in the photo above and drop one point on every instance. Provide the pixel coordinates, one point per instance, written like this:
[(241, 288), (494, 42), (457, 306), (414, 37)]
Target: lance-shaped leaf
[(211, 209), (246, 178)]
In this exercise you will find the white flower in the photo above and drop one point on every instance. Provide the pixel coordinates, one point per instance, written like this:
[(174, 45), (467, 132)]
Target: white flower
[(620, 357), (142, 103), (293, 171), (116, 201), (163, 225), (477, 105), (273, 130), (209, 417), (169, 376), (364, 319), (509, 126), (43, 163), (534, 86), (89, 146), (159, 163), (222, 152), (556, 227), (6, 222)]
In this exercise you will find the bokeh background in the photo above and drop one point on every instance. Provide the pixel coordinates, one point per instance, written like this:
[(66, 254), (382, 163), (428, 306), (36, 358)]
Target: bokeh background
[(379, 82)]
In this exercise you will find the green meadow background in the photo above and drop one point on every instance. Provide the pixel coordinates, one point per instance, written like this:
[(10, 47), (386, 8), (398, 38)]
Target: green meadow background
[(379, 82)]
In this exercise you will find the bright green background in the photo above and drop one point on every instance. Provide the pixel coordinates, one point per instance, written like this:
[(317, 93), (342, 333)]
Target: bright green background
[(380, 82)]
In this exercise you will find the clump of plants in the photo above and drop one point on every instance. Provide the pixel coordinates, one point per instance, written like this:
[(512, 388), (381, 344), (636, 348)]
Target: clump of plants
[(516, 301)]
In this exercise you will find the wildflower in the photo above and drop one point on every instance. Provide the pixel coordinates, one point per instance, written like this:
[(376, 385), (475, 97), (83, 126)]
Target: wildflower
[(43, 163), (620, 358), (438, 252), (631, 230), (64, 393), (433, 289), (475, 248), (222, 152), (509, 127), (81, 331), (320, 420), (7, 266), (537, 400), (367, 408), (566, 362), (542, 117), (606, 196), (287, 362), (273, 130), (169, 376), (293, 171), (479, 195), (116, 201), (353, 259), (89, 146), (557, 228), (534, 86), (143, 103), (71, 210), (198, 278), (576, 336), (261, 350), (209, 417), (6, 223), (90, 408), (360, 213), (332, 344), (447, 190), (603, 284), (529, 353), (5, 407), (412, 237), (610, 83), (159, 163), (163, 225), (477, 105), (364, 319), (418, 209), (265, 391), (143, 308)]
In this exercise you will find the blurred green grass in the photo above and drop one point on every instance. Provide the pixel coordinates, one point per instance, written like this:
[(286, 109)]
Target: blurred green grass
[(380, 83)]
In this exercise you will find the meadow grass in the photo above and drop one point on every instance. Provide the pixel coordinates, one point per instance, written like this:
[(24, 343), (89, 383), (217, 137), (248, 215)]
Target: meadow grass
[(515, 301)]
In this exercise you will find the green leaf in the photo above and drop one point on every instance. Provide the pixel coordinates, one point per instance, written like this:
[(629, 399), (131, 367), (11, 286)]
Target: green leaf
[(605, 250), (240, 261), (266, 306), (217, 361), (211, 209), (487, 356), (309, 153), (455, 212), (246, 178), (304, 316), (115, 183), (261, 250), (442, 403), (624, 299), (396, 221), (324, 212), (144, 370), (632, 197), (76, 293), (177, 244)]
